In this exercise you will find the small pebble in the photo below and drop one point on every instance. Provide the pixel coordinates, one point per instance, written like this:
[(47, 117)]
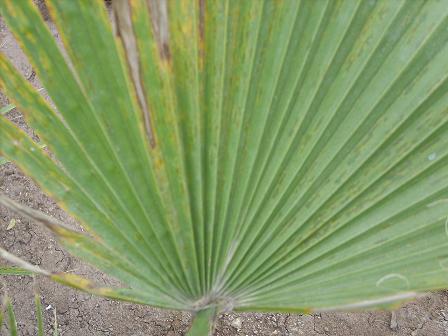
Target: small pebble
[(237, 323)]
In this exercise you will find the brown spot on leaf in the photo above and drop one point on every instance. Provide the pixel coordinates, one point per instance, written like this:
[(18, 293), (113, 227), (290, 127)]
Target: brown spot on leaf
[(201, 19), (125, 31), (201, 30), (158, 11)]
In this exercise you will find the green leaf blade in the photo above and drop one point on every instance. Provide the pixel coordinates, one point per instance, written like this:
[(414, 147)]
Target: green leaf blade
[(263, 155)]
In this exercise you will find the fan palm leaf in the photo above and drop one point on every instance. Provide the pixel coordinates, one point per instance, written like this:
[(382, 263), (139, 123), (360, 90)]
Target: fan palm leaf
[(247, 155)]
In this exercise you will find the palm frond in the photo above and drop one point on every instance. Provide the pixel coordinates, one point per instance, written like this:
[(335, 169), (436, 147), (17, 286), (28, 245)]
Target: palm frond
[(249, 155)]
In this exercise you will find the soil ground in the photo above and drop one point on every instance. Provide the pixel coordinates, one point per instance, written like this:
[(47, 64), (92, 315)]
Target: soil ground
[(82, 314)]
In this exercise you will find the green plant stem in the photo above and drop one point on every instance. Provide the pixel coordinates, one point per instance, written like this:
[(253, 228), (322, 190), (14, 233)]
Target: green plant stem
[(39, 315), (12, 319), (203, 322)]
